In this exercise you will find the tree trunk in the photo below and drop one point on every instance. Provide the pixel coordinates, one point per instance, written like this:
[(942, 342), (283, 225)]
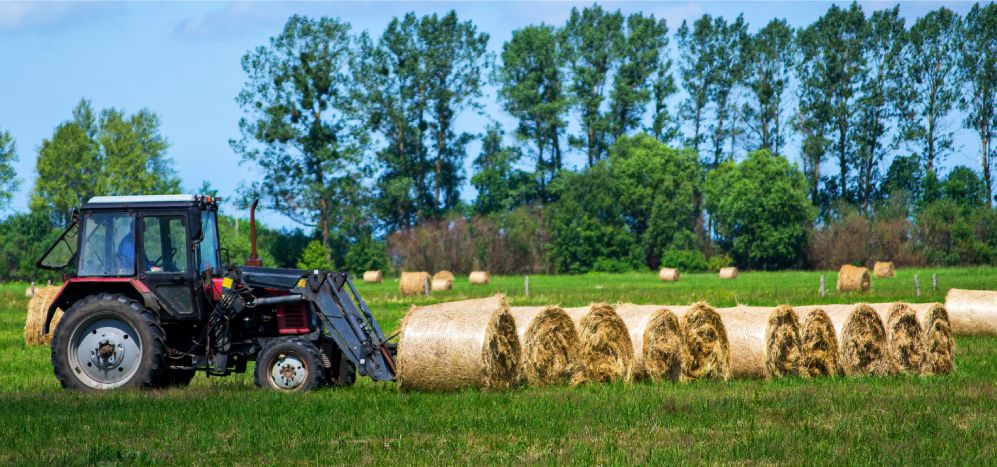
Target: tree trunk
[(843, 160)]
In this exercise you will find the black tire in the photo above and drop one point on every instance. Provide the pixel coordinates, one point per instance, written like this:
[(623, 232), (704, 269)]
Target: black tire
[(301, 362), (147, 359)]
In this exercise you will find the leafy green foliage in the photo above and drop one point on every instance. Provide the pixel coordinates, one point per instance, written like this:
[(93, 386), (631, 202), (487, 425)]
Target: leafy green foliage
[(684, 260), (24, 238), (718, 262), (501, 187), (769, 60), (8, 176), (367, 254), (978, 72), (316, 256)]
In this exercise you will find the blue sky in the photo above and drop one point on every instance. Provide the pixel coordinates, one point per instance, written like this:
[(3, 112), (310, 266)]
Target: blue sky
[(181, 60)]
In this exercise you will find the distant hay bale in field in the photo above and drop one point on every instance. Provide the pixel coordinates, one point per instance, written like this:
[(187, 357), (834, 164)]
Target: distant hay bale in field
[(469, 343), (764, 341), (884, 269), (605, 353), (705, 347), (441, 285), (851, 278), (479, 277), (936, 334), (904, 338), (818, 344), (374, 277), (37, 311), (444, 275), (862, 346), (728, 273), (414, 283), (657, 341), (668, 274), (548, 344), (972, 312)]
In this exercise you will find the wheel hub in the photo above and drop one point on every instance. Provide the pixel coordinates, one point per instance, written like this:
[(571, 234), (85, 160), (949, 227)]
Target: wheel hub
[(105, 352), (288, 372)]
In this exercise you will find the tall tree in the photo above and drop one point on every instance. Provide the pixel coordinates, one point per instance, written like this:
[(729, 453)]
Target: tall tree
[(531, 89), (501, 186), (930, 89), (8, 176), (298, 126), (770, 60), (664, 125), (729, 42), (593, 38), (978, 71), (830, 69), (697, 65), (642, 52)]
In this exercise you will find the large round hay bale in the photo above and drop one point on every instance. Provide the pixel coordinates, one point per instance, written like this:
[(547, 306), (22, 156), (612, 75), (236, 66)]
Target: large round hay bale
[(444, 275), (657, 341), (818, 344), (668, 274), (851, 278), (469, 343), (414, 283), (904, 338), (374, 277), (728, 273), (705, 347), (37, 311), (439, 285), (548, 344), (972, 312), (884, 269), (479, 277), (605, 353), (764, 341), (862, 346), (936, 334)]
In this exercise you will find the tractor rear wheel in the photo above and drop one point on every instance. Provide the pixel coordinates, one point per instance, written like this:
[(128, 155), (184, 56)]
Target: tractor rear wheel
[(109, 341), (289, 365)]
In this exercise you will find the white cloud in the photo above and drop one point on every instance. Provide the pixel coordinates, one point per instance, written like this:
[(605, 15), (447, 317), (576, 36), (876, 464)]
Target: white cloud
[(46, 16)]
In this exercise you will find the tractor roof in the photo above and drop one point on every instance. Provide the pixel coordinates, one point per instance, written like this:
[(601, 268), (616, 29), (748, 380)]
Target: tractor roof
[(112, 202)]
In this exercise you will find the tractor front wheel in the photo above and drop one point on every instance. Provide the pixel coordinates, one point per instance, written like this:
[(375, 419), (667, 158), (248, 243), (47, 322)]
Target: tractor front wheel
[(289, 365)]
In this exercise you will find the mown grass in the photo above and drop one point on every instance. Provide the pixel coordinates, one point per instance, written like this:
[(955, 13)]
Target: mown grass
[(897, 420)]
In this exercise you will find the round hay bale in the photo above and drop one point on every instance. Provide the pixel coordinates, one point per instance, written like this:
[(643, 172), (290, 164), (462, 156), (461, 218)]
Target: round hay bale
[(657, 341), (728, 273), (884, 269), (441, 285), (479, 277), (548, 344), (818, 344), (414, 283), (668, 274), (605, 353), (764, 341), (374, 277), (705, 347), (444, 275), (903, 336), (469, 343), (939, 346), (851, 278), (972, 312), (37, 310), (862, 346)]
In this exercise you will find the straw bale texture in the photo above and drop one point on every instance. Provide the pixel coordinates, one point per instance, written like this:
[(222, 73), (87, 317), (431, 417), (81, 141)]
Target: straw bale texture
[(852, 278), (657, 341), (604, 352), (972, 312), (668, 274), (728, 273), (903, 335), (548, 344), (469, 343), (444, 275), (764, 341), (37, 309), (373, 276), (939, 346), (705, 347), (441, 284), (862, 346), (884, 269), (818, 344), (479, 277), (414, 283)]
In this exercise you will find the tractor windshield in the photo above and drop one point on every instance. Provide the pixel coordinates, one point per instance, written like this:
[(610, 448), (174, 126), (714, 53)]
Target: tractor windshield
[(209, 243), (108, 245), (62, 252)]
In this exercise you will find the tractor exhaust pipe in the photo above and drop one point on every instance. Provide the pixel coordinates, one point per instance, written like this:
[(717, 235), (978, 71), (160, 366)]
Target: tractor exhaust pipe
[(254, 258)]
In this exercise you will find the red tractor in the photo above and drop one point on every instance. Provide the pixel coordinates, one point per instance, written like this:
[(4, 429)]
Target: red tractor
[(149, 303)]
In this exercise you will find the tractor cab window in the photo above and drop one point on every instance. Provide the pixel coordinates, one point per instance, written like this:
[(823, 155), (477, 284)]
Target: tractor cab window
[(164, 244), (209, 243), (108, 245)]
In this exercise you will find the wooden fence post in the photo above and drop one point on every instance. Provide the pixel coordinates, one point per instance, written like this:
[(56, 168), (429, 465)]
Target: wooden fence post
[(917, 286), (823, 290)]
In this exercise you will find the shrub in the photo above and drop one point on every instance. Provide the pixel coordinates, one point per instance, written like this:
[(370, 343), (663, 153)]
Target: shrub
[(684, 260), (316, 256), (718, 262)]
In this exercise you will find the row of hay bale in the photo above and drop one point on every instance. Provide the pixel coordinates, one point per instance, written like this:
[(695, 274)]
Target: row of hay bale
[(672, 274), (416, 283), (487, 344)]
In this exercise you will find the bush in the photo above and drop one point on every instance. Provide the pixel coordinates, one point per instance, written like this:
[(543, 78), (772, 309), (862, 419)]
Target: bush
[(718, 262), (684, 260), (367, 254), (614, 265), (316, 256)]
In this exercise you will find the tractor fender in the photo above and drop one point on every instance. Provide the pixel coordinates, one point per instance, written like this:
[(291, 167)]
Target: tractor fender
[(76, 288)]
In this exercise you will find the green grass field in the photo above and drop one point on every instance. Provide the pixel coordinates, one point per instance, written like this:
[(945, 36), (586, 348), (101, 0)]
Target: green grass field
[(897, 420)]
